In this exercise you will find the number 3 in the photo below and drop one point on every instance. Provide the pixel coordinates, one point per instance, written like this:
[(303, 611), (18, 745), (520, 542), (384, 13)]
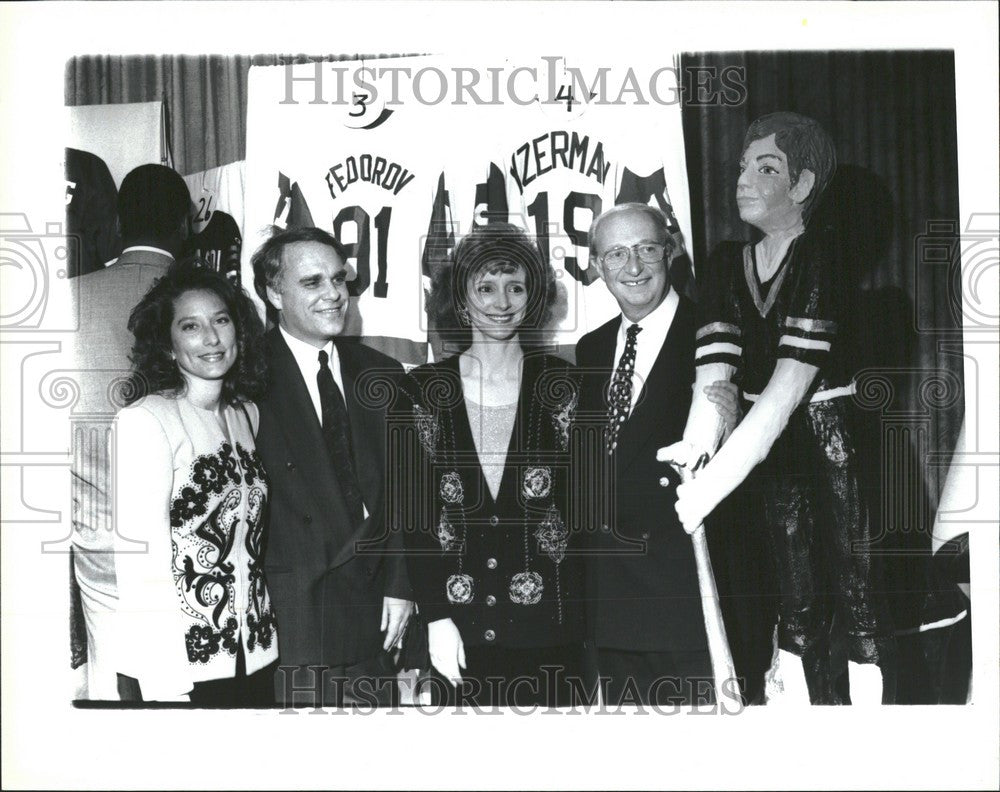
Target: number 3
[(360, 100)]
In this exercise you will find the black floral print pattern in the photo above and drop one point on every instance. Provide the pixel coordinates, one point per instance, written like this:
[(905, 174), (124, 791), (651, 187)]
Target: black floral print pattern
[(209, 474), (261, 631), (187, 506), (223, 502), (228, 462), (253, 467), (202, 643), (230, 636)]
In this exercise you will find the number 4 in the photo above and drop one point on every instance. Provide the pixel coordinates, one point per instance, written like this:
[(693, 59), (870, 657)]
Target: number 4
[(565, 94)]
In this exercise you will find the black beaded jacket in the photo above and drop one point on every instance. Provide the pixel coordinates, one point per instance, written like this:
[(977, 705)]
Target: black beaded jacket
[(504, 570)]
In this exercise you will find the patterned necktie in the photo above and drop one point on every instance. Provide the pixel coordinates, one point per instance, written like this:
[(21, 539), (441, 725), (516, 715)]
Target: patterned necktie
[(620, 395), (337, 436)]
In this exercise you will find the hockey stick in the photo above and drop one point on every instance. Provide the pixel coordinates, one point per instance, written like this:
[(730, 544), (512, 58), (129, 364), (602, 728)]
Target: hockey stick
[(715, 629)]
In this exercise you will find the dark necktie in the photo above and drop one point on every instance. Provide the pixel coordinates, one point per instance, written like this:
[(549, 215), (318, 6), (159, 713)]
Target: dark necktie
[(620, 394), (337, 435)]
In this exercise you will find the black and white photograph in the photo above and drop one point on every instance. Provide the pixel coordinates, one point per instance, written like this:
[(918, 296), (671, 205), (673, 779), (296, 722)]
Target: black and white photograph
[(466, 395)]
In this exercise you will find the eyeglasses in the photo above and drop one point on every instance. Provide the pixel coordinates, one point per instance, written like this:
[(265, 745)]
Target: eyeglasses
[(647, 253)]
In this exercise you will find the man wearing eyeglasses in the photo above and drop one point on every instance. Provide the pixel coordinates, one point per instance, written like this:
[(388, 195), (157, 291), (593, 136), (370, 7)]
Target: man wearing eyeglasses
[(644, 610)]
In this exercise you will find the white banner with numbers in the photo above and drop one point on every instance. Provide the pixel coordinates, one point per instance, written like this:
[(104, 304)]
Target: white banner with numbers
[(384, 152)]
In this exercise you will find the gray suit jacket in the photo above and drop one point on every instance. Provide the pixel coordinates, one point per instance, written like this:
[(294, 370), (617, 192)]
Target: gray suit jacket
[(99, 350), (102, 343)]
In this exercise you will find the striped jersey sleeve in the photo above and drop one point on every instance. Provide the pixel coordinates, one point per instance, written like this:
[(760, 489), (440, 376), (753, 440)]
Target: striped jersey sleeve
[(809, 329), (720, 337)]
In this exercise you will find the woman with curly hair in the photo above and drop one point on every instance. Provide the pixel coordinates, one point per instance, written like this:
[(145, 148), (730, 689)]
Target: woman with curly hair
[(194, 616), (488, 535)]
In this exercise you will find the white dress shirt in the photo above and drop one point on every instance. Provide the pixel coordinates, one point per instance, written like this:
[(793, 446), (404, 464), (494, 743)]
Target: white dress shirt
[(141, 249), (307, 357), (648, 343)]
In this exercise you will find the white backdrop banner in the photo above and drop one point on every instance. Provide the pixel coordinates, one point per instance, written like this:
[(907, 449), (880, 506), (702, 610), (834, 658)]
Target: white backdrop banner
[(389, 153), (123, 135)]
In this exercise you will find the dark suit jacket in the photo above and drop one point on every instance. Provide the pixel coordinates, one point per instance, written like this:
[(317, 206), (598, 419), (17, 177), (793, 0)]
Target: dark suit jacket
[(326, 576), (642, 585)]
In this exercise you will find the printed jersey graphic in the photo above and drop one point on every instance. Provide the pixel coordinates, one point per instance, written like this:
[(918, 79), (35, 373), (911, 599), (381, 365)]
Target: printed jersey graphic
[(555, 164), (367, 172), (561, 173), (219, 245), (217, 189), (399, 179)]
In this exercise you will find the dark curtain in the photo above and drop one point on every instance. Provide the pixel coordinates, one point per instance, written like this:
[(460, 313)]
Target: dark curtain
[(206, 97)]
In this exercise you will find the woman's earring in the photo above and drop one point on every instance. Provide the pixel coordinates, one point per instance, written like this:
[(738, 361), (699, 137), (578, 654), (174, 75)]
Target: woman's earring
[(463, 315)]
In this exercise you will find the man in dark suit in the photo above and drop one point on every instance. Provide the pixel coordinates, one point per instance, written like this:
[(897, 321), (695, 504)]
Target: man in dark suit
[(338, 583), (644, 610)]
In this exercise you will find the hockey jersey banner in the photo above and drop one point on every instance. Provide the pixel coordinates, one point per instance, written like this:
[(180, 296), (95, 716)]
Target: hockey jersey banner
[(362, 169), (401, 157), (593, 147), (586, 141)]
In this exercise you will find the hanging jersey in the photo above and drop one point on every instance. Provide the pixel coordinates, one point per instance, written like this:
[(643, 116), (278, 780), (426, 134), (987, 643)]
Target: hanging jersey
[(369, 171), (474, 179), (217, 189), (91, 212), (567, 161), (219, 245)]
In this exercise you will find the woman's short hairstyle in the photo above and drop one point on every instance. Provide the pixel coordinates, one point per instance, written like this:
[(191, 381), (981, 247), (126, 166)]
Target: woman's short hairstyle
[(154, 369), (806, 145), (495, 247)]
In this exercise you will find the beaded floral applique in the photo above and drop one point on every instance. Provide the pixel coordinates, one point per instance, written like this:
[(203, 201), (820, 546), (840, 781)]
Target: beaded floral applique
[(562, 419), (526, 588), (537, 482), (460, 589), (446, 534), (428, 428), (451, 488), (552, 535)]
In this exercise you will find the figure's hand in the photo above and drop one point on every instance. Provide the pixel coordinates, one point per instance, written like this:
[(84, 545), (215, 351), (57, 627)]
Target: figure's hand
[(446, 649), (395, 614), (725, 396), (694, 503), (681, 454)]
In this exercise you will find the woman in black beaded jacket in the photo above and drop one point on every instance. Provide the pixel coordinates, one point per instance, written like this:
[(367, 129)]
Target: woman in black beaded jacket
[(484, 502)]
